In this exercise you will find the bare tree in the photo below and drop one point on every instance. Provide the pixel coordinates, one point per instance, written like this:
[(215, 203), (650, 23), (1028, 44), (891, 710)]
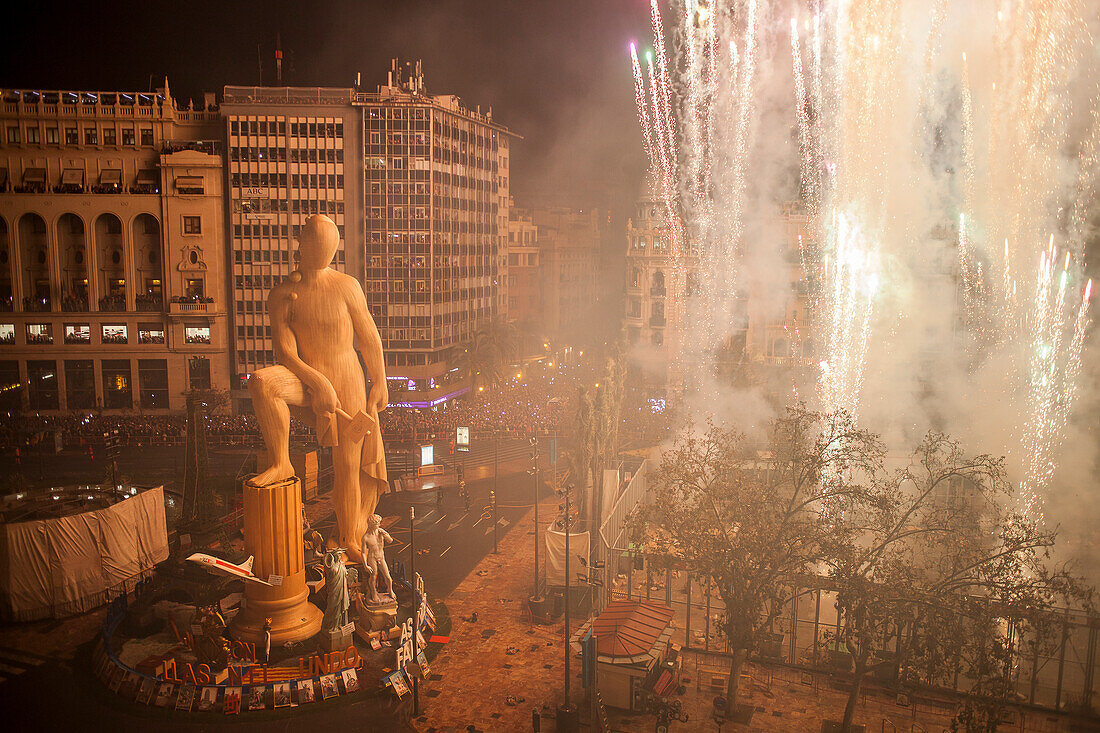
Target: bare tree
[(747, 517), (936, 535)]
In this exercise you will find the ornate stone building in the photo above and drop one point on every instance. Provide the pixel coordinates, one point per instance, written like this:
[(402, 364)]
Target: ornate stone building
[(769, 326), (111, 251)]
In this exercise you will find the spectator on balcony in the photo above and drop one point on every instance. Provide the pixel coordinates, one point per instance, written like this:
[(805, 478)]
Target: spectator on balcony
[(75, 304)]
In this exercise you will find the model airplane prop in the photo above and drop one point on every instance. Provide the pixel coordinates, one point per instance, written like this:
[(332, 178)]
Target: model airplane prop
[(218, 566)]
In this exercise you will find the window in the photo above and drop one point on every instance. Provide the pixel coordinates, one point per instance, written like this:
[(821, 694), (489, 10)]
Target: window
[(39, 333), (7, 336), (72, 137), (32, 135), (90, 136), (109, 136), (196, 335), (10, 394), (198, 372), (117, 393), (196, 287), (42, 387), (113, 334), (78, 333), (79, 384), (52, 137), (190, 185), (13, 134), (127, 136), (153, 383), (147, 136), (192, 225), (151, 334)]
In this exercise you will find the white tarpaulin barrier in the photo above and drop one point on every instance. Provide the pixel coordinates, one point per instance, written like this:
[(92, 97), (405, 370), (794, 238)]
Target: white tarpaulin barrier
[(58, 567), (555, 556)]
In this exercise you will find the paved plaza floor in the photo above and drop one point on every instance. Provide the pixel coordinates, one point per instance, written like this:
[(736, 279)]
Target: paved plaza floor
[(493, 672)]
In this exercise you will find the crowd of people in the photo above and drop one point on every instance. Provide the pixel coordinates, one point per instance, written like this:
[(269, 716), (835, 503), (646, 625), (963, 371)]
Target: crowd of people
[(538, 399)]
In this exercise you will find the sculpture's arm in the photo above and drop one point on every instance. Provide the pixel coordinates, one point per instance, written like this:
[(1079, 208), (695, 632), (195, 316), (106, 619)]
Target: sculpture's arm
[(385, 535), (370, 345), (322, 395)]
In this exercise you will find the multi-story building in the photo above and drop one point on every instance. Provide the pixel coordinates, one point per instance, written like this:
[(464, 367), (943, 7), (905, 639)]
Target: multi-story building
[(417, 185), (570, 259), (292, 152), (111, 251), (763, 333), (521, 281), (436, 181)]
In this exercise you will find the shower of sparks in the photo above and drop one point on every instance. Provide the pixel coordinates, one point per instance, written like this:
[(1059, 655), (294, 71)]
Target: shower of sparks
[(885, 116), (698, 133)]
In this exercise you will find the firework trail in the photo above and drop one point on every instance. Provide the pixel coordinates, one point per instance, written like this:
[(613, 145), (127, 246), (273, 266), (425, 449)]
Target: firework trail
[(899, 135)]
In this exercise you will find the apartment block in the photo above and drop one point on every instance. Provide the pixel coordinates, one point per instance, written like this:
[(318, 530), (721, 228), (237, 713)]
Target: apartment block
[(291, 152), (112, 251)]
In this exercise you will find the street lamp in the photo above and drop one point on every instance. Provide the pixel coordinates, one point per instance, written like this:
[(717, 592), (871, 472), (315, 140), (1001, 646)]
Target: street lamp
[(536, 597), (568, 715), (416, 611), (493, 502)]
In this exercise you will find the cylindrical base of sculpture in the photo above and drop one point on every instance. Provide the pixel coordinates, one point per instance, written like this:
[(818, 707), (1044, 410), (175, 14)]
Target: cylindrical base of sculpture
[(273, 536)]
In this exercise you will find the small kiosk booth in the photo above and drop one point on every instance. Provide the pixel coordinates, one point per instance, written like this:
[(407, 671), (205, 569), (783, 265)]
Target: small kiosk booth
[(633, 642)]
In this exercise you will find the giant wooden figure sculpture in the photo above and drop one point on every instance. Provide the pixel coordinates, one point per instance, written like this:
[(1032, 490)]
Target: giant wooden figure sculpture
[(317, 315)]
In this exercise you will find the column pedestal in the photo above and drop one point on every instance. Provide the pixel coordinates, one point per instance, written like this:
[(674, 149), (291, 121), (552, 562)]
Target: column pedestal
[(273, 535)]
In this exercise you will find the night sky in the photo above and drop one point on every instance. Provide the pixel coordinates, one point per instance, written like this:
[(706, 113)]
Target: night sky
[(557, 73)]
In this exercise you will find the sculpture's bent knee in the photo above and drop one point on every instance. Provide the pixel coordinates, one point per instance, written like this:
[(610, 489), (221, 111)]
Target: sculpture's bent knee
[(259, 387)]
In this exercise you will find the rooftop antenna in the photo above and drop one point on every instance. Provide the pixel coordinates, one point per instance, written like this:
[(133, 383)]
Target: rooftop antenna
[(278, 60)]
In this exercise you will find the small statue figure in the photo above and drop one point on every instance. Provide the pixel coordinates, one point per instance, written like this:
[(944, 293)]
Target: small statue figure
[(336, 581), (267, 641), (374, 557)]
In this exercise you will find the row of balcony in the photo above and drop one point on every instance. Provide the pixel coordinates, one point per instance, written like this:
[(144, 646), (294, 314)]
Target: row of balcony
[(181, 305)]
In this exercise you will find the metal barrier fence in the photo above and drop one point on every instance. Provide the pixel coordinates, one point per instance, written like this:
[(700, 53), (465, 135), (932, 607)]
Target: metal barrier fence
[(1062, 679)]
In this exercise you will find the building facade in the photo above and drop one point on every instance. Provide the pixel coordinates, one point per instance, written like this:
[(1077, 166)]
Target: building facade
[(111, 251), (570, 260), (417, 185), (766, 331), (436, 182), (521, 280), (291, 152)]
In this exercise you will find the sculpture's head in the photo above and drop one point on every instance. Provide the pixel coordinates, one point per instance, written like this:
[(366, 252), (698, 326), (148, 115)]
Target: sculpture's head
[(373, 522), (318, 242)]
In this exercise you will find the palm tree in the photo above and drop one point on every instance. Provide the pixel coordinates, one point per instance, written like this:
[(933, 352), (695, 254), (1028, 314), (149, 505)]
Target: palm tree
[(595, 430), (492, 348)]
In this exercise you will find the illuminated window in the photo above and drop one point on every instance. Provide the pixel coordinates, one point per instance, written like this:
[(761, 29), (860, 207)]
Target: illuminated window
[(117, 394), (113, 334), (39, 333), (78, 333), (196, 334), (7, 333), (150, 334)]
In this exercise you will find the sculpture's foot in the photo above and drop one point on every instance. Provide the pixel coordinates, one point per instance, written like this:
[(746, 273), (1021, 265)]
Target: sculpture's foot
[(274, 474)]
